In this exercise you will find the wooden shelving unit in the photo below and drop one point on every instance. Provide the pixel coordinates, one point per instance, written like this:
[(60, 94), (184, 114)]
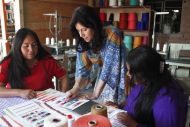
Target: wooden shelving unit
[(8, 19), (127, 9)]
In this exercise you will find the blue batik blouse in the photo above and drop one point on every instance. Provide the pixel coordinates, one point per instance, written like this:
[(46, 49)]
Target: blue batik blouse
[(111, 60)]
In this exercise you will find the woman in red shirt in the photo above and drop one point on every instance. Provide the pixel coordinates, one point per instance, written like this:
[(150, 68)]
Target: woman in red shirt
[(29, 68)]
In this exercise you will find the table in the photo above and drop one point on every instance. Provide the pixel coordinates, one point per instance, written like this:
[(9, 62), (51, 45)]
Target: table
[(8, 102), (175, 63), (179, 62)]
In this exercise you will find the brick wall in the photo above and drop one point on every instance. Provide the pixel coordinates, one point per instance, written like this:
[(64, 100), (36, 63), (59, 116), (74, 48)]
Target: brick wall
[(34, 18), (184, 35)]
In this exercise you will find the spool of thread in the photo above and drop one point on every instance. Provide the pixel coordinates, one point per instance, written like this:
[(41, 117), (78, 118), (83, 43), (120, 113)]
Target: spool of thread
[(145, 16), (128, 41), (123, 21), (141, 2), (133, 2), (132, 16), (98, 109), (165, 47), (145, 20), (140, 26), (70, 120), (132, 25), (47, 40), (92, 121), (145, 40), (123, 17), (132, 21), (74, 41), (157, 46), (103, 17), (54, 121), (112, 3), (67, 42), (123, 25), (52, 41), (137, 41), (145, 24), (119, 2)]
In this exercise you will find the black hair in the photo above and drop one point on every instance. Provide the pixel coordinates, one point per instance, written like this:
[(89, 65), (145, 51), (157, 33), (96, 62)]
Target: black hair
[(18, 67), (147, 67), (88, 17)]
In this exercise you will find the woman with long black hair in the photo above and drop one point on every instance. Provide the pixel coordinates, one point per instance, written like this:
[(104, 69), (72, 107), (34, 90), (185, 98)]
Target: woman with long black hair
[(98, 49), (29, 68), (156, 100)]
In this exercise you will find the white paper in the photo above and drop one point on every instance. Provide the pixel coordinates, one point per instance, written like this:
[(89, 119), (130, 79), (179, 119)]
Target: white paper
[(71, 105), (112, 115), (27, 114)]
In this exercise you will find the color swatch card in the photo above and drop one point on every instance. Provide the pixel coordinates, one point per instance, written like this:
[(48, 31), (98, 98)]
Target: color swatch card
[(48, 95), (6, 121), (28, 114), (71, 105), (112, 115)]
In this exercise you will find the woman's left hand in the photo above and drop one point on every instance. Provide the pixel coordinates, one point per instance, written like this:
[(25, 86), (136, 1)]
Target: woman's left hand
[(89, 96), (94, 95), (126, 119), (109, 103), (28, 93)]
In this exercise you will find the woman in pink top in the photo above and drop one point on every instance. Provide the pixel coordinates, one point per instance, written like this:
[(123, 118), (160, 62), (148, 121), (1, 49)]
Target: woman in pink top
[(29, 68)]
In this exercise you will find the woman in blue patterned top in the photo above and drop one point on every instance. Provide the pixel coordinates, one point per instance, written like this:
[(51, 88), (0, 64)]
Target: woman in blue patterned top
[(99, 49)]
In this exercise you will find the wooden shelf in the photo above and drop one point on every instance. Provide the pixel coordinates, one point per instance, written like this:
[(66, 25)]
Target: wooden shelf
[(128, 9), (9, 26), (136, 33), (121, 7), (115, 10)]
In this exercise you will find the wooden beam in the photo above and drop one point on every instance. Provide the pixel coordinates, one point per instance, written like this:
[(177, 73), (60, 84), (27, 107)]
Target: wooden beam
[(3, 20), (18, 14), (67, 1)]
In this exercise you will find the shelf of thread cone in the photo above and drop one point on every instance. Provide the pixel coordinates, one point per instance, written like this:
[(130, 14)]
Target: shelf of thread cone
[(133, 20), (58, 46), (146, 6), (136, 32), (126, 9)]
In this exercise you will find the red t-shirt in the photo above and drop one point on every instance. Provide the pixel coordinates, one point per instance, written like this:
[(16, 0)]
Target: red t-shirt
[(41, 74)]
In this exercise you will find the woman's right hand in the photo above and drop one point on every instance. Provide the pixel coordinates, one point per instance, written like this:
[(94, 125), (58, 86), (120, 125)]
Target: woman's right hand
[(28, 94), (71, 94), (126, 119)]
